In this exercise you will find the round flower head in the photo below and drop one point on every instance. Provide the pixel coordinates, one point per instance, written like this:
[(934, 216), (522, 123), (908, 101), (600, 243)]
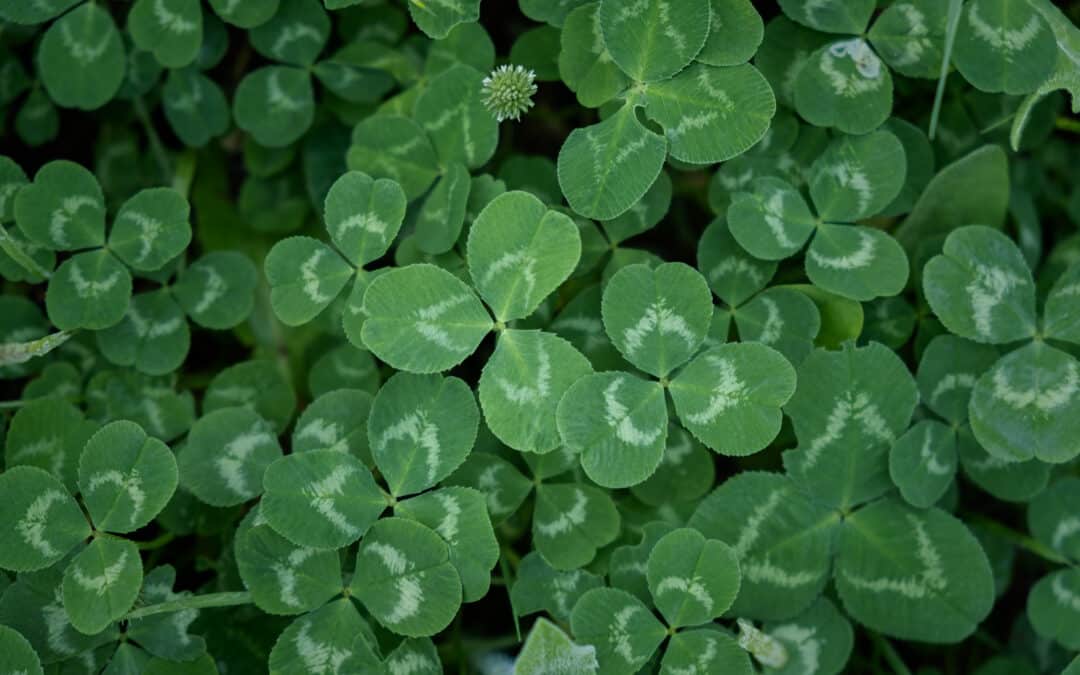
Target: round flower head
[(508, 91)]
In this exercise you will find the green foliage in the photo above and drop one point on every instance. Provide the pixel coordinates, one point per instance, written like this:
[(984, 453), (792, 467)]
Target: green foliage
[(539, 336)]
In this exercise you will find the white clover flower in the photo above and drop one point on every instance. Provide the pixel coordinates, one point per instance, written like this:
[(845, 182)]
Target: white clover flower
[(508, 91)]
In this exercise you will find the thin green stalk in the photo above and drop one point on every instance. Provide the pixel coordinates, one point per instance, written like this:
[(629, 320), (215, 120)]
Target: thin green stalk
[(16, 253), (156, 147), (890, 654), (950, 38), (1023, 541), (507, 575), (1068, 124), (157, 542), (185, 172), (229, 599)]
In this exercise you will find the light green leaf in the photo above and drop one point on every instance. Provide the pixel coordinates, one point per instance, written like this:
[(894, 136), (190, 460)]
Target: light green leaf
[(657, 318), (170, 29), (225, 456), (404, 577), (343, 367), (693, 579), (628, 565), (305, 276), (151, 229), (38, 12), (389, 146), (981, 288), (686, 472), (618, 424), (283, 578), (421, 428), (712, 114), (437, 17), (735, 32), (423, 319), (1053, 607), (771, 220), (1061, 320), (910, 37), (914, 575), (258, 386), (845, 85), (947, 373), (623, 631), (153, 336), (218, 290), (857, 176), (451, 111), (246, 14), (642, 216), (39, 520), (126, 477), (654, 39), (519, 252), (332, 638), (459, 516), (784, 52), (1053, 518), (783, 319), (848, 409), (166, 635), (548, 651), (443, 214), (416, 655), (604, 169), (90, 290), (733, 274), (585, 65), (1004, 46), (923, 461), (501, 483), (363, 215), (571, 522), (1028, 405), (16, 654), (783, 541), (705, 651), (861, 263), (275, 104), (730, 396), (554, 13), (50, 435), (81, 58), (321, 499), (831, 16), (336, 420), (12, 180), (540, 587), (295, 34), (1006, 479), (101, 583), (523, 382), (818, 641), (63, 209)]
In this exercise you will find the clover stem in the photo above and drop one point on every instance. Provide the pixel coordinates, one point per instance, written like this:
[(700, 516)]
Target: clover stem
[(952, 24), (227, 599), (1022, 540), (16, 253), (1067, 124), (890, 654), (156, 148)]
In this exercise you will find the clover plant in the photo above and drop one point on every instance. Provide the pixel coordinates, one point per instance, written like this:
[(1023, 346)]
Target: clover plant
[(540, 337)]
